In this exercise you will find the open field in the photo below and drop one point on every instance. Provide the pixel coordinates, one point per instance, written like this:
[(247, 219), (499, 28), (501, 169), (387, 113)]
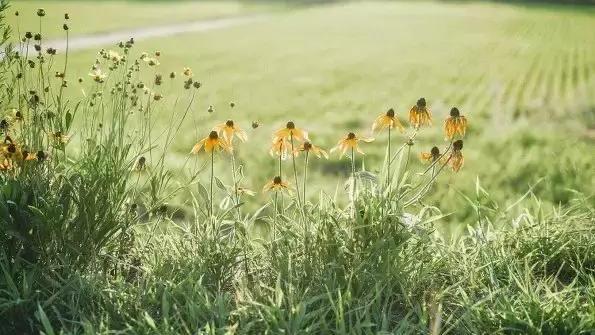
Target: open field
[(523, 74), (92, 17), (108, 225)]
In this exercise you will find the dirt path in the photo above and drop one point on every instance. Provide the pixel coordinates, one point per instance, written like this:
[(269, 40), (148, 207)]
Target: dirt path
[(83, 42)]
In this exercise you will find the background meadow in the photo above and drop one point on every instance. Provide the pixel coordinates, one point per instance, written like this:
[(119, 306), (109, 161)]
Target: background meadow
[(522, 73)]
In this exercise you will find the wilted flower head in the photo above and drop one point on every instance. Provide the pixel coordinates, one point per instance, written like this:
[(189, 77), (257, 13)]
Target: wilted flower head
[(387, 120), (277, 184), (419, 114), (211, 143), (291, 132), (455, 124), (229, 129)]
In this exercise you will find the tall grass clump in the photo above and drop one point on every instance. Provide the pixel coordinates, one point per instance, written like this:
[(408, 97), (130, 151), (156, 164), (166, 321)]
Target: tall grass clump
[(95, 239)]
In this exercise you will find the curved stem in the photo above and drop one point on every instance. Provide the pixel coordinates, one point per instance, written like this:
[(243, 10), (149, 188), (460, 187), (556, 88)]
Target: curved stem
[(297, 185)]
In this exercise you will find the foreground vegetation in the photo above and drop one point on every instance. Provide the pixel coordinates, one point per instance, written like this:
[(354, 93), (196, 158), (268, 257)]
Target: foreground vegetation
[(91, 242)]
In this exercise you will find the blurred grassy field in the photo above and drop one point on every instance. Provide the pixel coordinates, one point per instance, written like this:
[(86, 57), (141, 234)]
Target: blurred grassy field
[(103, 16), (523, 75)]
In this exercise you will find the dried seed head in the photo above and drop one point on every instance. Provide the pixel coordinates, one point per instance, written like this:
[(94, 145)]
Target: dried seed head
[(3, 125), (37, 37), (196, 84), (307, 146), (421, 103), (229, 123), (277, 180), (390, 113), (213, 135), (454, 112), (211, 109), (28, 35), (12, 148), (65, 26), (435, 152), (290, 125), (351, 136), (66, 16), (41, 12), (457, 145), (232, 104)]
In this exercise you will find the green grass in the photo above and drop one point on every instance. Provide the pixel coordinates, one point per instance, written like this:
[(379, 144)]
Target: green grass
[(91, 245), (89, 17)]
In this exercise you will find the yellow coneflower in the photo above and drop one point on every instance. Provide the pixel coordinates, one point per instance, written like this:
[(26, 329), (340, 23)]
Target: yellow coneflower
[(291, 132), (6, 164), (29, 156), (455, 124), (229, 129), (10, 150), (277, 184), (419, 114), (279, 148), (350, 142), (308, 147), (98, 75), (387, 120), (431, 156), (456, 158), (211, 143)]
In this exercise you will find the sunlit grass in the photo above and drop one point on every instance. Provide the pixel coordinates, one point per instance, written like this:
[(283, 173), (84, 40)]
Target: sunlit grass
[(109, 224)]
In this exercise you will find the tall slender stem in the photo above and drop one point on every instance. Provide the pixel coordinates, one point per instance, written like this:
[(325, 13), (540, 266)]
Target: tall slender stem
[(389, 159), (276, 215), (297, 185), (305, 174), (306, 225), (212, 178), (235, 185), (353, 180), (280, 176)]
